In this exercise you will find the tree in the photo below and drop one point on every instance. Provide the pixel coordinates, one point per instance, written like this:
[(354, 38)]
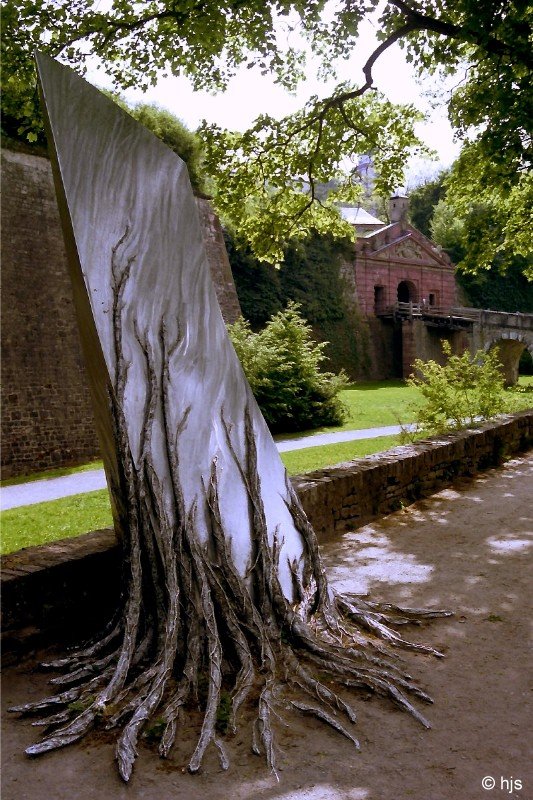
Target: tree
[(283, 366), (495, 206), (260, 173), (224, 597), (466, 390), (502, 284), (422, 202), (447, 230)]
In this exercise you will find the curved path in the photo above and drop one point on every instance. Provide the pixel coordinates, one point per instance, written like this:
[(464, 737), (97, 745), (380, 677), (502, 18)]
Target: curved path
[(25, 494)]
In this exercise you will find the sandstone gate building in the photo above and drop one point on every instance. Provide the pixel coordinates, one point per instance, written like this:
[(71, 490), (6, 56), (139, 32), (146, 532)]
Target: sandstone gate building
[(395, 263)]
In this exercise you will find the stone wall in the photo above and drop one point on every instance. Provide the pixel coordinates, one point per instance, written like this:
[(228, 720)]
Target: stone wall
[(348, 495), (47, 590), (384, 350), (419, 340), (47, 419), (219, 262)]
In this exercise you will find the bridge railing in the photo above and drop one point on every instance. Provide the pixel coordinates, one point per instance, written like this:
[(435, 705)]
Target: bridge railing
[(411, 310), (459, 314), (466, 313)]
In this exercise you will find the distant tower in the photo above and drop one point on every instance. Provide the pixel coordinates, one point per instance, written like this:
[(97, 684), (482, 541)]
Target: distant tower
[(367, 173), (398, 207)]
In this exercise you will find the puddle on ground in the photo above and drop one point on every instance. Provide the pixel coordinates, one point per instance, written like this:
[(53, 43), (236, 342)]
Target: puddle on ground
[(362, 558)]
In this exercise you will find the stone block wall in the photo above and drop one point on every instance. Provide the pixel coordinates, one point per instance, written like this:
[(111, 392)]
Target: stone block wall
[(47, 418), (348, 495), (219, 262), (48, 589), (422, 341)]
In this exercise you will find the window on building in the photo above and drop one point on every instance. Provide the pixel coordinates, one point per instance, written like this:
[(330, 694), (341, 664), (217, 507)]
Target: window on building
[(379, 299)]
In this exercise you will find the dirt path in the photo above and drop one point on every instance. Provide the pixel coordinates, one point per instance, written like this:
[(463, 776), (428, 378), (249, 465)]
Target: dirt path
[(467, 548)]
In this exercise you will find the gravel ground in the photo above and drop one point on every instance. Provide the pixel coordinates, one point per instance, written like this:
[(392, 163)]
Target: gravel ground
[(467, 548)]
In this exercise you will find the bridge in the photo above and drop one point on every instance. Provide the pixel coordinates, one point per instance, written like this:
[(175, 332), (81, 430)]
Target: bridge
[(511, 333)]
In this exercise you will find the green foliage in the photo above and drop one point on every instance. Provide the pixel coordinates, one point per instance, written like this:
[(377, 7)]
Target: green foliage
[(78, 706), (175, 135), (510, 291), (308, 459), (257, 283), (496, 211), (282, 364), (422, 202), (224, 712), (464, 234), (57, 519), (447, 229), (52, 473), (154, 732), (502, 284), (260, 174), (266, 178), (467, 389), (311, 276)]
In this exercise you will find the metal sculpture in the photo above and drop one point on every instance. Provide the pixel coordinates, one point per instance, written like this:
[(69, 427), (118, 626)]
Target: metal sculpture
[(222, 574)]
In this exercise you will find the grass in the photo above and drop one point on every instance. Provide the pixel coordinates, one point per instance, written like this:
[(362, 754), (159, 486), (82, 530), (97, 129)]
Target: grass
[(42, 523), (51, 473), (311, 458), (373, 404)]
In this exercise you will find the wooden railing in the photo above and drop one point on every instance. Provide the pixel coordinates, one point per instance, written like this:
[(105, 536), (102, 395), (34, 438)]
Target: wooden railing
[(412, 310)]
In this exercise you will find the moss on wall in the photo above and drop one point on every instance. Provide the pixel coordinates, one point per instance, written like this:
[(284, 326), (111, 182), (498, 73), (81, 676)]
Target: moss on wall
[(311, 275)]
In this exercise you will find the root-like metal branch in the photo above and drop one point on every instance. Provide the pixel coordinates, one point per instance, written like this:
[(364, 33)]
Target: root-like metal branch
[(188, 618)]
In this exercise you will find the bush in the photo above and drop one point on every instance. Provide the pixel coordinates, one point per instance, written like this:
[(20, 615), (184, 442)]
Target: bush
[(282, 364), (465, 390), (176, 136)]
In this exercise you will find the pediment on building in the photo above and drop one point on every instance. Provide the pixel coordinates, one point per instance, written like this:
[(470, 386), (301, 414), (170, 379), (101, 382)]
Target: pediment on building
[(403, 245), (408, 249)]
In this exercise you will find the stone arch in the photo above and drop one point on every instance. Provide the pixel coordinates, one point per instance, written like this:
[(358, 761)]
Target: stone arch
[(407, 292), (511, 345)]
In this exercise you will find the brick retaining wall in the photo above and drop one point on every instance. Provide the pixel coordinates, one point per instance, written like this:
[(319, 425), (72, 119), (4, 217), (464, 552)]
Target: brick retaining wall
[(47, 418), (348, 495), (72, 584)]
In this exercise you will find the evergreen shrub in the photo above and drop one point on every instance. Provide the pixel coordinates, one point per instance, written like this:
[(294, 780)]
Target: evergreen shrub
[(283, 366)]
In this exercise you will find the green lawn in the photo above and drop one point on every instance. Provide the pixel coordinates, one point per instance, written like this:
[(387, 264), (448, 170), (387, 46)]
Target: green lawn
[(59, 519), (373, 404), (311, 458), (52, 473)]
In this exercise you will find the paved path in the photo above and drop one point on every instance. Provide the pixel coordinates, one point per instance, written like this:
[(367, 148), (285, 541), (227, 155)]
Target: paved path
[(321, 439), (25, 494)]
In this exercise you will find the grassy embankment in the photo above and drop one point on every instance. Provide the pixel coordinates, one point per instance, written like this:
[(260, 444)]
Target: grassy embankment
[(369, 405)]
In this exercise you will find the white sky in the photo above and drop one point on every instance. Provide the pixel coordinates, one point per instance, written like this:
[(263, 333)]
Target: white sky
[(250, 94)]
